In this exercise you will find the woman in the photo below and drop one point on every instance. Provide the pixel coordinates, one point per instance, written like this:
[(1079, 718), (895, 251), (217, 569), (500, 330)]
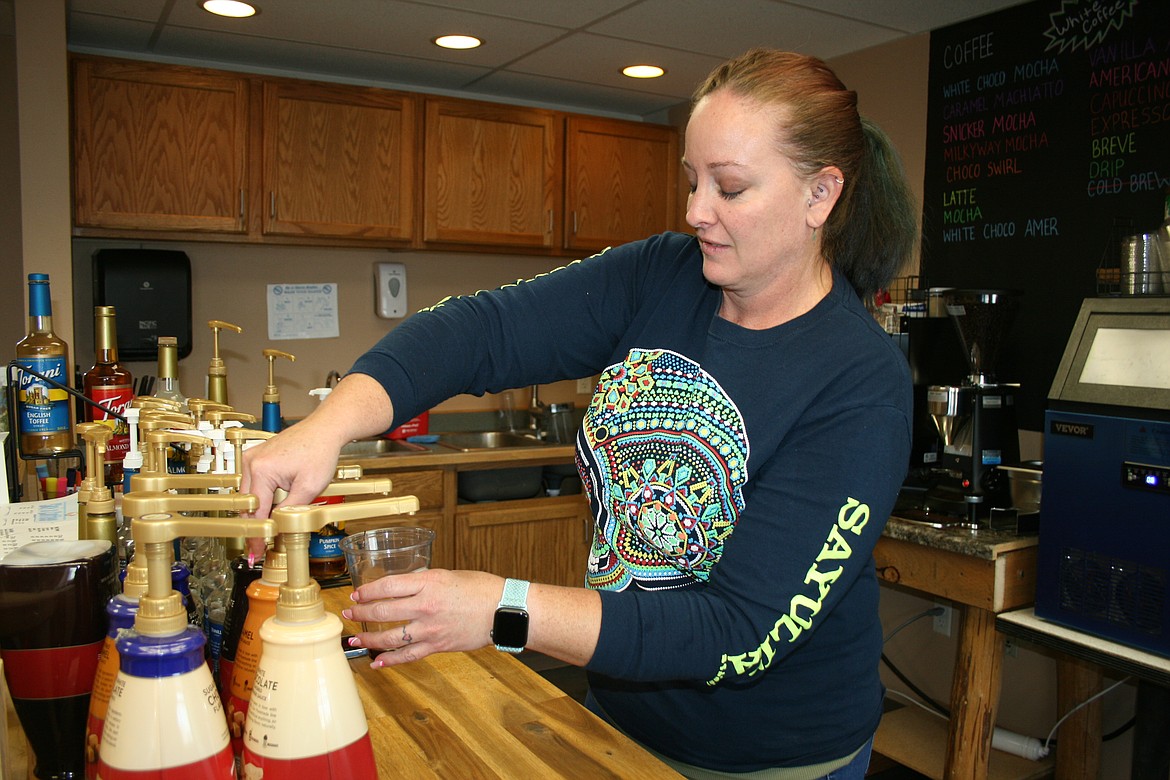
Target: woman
[(747, 439)]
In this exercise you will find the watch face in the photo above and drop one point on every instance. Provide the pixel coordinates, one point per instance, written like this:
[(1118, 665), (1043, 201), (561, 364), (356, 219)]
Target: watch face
[(510, 628)]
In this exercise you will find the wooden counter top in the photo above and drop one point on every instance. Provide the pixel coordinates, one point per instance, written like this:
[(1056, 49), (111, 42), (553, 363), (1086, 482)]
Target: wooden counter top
[(485, 714)]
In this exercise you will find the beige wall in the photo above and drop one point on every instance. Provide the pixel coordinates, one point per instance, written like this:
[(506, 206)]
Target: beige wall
[(230, 281), (12, 319), (43, 121)]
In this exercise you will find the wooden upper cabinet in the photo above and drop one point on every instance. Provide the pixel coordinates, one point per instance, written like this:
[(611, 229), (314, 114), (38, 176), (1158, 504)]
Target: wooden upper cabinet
[(158, 147), (491, 174), (339, 161), (621, 181)]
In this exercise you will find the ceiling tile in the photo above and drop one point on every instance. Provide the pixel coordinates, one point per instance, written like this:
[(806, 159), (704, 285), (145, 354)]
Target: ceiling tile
[(595, 59), (586, 98), (142, 10), (558, 14), (273, 55), (908, 17), (103, 32), (690, 25)]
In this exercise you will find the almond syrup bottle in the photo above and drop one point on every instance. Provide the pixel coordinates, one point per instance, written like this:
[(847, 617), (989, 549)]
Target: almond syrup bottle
[(111, 385), (44, 412)]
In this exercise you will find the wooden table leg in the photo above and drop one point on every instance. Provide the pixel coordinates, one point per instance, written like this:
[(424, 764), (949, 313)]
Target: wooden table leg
[(974, 696), (1078, 743)]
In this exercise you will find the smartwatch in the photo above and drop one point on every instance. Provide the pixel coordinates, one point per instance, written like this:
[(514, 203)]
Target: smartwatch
[(510, 627)]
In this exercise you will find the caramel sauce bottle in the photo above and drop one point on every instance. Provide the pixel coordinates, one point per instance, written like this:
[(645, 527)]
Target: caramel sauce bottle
[(111, 385), (44, 412)]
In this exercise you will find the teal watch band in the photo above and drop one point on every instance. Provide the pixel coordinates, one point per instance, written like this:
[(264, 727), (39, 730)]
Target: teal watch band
[(510, 626)]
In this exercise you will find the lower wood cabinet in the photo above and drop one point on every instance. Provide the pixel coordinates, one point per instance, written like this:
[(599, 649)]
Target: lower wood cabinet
[(544, 539), (537, 539)]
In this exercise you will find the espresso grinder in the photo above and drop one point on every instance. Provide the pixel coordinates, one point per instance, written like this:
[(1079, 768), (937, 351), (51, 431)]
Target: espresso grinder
[(975, 419)]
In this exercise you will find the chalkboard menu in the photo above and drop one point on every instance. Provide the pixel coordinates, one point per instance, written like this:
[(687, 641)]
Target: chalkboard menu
[(1048, 141)]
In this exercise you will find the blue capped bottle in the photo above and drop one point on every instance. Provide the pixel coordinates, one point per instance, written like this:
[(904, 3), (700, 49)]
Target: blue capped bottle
[(44, 413)]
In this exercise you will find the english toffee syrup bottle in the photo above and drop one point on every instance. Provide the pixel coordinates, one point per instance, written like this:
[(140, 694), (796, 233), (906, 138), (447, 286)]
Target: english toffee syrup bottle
[(111, 385), (44, 413)]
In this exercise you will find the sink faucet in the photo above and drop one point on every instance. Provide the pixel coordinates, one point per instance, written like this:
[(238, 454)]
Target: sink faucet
[(331, 379), (536, 412)]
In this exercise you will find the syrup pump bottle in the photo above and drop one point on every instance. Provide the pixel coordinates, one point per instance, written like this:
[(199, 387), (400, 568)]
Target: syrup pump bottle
[(245, 571), (262, 603), (164, 719), (271, 412), (305, 718), (95, 502), (217, 370), (120, 610)]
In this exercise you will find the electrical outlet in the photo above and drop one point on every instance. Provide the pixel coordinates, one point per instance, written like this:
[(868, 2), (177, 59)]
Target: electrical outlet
[(585, 386), (942, 623), (1011, 649)]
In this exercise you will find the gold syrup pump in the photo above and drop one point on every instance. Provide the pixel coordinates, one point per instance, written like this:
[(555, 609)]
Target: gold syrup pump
[(238, 679), (165, 719), (305, 717), (270, 414), (216, 370), (96, 515)]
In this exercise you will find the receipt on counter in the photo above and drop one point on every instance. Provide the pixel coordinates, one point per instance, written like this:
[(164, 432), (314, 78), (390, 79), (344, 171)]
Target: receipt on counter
[(53, 520)]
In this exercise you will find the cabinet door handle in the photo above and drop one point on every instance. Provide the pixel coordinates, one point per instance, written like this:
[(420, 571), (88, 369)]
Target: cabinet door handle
[(550, 220), (272, 205), (242, 202), (574, 223)]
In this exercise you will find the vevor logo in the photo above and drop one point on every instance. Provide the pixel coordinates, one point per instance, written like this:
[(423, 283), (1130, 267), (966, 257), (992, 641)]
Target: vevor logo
[(1071, 429)]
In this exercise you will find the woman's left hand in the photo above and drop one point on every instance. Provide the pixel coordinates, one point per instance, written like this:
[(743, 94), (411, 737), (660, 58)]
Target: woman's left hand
[(435, 610)]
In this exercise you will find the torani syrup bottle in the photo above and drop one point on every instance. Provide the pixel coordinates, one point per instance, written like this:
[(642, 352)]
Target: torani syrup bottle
[(111, 385), (44, 416)]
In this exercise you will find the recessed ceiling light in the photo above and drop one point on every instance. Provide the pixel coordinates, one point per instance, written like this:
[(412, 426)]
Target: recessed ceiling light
[(643, 71), (232, 8), (457, 41)]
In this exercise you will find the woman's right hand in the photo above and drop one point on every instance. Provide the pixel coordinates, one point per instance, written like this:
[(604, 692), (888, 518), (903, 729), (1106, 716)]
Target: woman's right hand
[(302, 459)]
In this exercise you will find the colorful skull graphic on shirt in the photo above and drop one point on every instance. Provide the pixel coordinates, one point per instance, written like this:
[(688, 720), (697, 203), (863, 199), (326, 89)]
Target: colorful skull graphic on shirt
[(663, 453)]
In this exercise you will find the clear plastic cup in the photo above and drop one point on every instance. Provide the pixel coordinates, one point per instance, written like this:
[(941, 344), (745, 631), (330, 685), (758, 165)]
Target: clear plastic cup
[(372, 555)]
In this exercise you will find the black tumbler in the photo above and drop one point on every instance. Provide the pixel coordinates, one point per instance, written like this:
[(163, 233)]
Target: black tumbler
[(53, 621)]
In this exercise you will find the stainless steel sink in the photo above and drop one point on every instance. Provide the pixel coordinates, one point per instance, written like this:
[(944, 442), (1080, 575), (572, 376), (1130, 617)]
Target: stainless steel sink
[(373, 448), (487, 440)]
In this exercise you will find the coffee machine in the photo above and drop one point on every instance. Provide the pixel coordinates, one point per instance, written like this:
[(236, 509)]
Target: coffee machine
[(974, 420)]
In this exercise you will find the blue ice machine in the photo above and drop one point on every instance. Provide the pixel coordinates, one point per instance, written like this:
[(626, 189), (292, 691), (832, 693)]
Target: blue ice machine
[(1104, 555)]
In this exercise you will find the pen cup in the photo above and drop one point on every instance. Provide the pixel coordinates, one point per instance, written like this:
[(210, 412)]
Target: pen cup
[(371, 555)]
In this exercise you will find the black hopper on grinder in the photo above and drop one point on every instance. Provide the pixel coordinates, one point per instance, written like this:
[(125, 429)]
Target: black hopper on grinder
[(975, 419), (982, 319)]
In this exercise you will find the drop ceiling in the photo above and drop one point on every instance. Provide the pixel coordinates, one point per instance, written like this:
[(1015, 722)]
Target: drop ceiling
[(555, 53)]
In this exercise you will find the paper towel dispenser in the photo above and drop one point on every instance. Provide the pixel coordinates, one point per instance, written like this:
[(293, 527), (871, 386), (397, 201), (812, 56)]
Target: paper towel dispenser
[(151, 291)]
